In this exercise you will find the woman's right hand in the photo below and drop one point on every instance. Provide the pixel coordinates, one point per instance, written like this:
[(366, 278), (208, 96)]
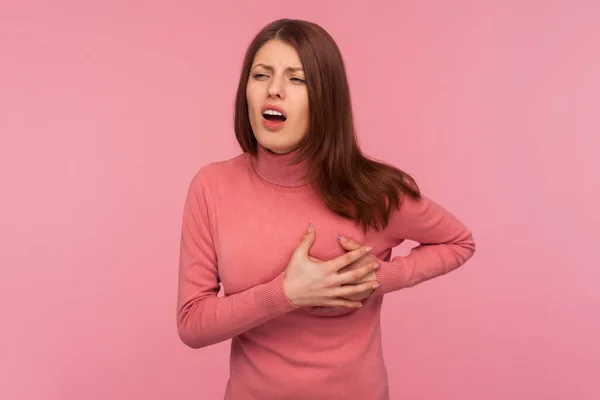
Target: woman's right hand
[(310, 284)]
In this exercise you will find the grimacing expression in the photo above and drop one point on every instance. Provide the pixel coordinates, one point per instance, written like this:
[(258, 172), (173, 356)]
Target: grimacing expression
[(277, 97)]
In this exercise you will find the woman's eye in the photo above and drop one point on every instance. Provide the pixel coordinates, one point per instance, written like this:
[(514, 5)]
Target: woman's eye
[(262, 76)]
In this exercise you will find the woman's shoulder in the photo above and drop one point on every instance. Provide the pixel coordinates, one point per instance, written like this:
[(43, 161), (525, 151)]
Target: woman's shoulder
[(220, 172)]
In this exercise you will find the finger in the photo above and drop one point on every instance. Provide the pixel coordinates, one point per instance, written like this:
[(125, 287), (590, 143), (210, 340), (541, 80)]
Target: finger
[(338, 263), (337, 302), (348, 244), (307, 241), (315, 260), (352, 290), (355, 274)]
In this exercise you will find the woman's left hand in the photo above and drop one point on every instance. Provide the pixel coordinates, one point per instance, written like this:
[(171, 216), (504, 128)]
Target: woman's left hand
[(349, 245)]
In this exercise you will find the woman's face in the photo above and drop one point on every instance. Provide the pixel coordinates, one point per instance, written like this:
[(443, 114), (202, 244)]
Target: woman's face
[(277, 97)]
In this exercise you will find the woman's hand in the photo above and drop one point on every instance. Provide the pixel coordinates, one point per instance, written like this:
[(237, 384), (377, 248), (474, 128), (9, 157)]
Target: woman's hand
[(321, 284), (350, 245), (368, 259)]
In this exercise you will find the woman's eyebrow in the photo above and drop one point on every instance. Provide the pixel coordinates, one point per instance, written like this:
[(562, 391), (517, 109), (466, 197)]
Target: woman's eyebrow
[(270, 68)]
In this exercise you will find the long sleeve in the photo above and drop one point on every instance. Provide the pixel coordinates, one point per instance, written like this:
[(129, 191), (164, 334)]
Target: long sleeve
[(202, 317), (445, 244)]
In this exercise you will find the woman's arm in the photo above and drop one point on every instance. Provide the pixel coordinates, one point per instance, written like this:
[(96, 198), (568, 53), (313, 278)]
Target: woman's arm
[(202, 317), (445, 244)]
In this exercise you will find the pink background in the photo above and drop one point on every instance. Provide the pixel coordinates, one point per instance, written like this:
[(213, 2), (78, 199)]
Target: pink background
[(108, 108)]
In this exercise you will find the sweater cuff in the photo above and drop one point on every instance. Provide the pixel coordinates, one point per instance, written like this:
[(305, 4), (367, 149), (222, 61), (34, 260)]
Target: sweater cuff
[(271, 298), (392, 276)]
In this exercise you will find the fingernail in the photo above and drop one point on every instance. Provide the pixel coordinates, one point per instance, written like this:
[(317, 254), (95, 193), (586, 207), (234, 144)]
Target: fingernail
[(309, 227), (368, 249), (341, 237), (375, 286), (377, 266)]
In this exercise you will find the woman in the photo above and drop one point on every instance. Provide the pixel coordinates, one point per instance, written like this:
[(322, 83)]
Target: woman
[(302, 305)]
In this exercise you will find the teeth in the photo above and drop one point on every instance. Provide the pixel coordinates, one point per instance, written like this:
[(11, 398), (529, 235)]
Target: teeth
[(272, 112)]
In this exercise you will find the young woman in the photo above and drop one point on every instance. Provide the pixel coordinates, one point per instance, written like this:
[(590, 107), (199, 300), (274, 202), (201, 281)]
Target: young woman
[(299, 229)]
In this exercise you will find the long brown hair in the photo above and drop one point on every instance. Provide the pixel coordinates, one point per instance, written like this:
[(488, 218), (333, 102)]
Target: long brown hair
[(351, 185)]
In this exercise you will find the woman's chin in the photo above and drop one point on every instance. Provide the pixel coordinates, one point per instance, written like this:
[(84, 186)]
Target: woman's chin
[(276, 145)]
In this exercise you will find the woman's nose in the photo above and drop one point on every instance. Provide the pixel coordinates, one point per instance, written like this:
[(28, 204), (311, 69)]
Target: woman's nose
[(276, 89)]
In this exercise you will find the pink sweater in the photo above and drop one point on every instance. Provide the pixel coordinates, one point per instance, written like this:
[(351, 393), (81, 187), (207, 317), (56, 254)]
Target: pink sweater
[(242, 220)]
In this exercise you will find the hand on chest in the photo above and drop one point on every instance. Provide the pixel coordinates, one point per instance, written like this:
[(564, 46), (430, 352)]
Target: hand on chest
[(254, 248)]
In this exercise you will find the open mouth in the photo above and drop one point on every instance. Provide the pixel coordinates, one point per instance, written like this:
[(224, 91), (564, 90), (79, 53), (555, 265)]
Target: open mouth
[(274, 116)]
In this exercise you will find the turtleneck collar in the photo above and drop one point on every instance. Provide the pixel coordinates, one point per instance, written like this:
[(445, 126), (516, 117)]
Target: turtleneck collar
[(278, 169)]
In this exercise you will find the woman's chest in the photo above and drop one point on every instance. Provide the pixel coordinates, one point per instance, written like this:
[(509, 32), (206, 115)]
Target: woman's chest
[(255, 240)]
